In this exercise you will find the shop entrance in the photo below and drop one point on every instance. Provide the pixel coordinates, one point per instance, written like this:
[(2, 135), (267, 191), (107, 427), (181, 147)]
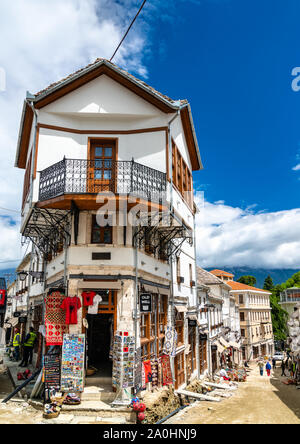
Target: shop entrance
[(99, 335)]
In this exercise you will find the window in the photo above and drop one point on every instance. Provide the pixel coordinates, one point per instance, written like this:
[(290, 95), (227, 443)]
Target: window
[(179, 322), (101, 235), (241, 299), (242, 333), (242, 316), (182, 177), (153, 327)]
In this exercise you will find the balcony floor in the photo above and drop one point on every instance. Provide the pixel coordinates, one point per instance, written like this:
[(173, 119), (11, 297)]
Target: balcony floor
[(89, 202)]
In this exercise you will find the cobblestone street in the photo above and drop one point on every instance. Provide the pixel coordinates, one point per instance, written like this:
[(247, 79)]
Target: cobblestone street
[(261, 400)]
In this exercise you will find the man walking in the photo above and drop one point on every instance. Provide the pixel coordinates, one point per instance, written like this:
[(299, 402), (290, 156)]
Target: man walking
[(261, 367), (16, 344), (28, 347), (268, 368), (283, 365)]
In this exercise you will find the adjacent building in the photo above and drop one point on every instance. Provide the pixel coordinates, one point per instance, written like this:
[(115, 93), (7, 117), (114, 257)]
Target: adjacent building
[(255, 317), (290, 299)]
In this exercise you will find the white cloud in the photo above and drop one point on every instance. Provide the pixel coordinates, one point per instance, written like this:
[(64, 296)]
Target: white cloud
[(229, 236), (42, 42), (297, 167)]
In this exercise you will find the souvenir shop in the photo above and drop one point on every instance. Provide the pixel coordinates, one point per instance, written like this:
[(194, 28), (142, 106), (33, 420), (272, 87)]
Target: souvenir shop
[(83, 334)]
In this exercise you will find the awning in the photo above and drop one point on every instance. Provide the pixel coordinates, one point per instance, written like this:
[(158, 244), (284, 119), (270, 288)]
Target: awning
[(12, 322), (192, 317), (181, 308), (164, 291), (234, 345), (224, 343), (219, 347), (104, 285)]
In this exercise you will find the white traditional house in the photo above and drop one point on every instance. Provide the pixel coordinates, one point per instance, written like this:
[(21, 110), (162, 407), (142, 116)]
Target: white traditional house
[(101, 152)]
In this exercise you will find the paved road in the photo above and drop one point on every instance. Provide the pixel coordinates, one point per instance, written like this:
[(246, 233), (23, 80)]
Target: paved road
[(261, 400)]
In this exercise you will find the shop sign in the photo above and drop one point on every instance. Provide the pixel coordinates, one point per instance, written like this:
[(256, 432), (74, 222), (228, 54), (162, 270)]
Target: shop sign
[(17, 314), (203, 337), (192, 323), (214, 348), (145, 302), (22, 319)]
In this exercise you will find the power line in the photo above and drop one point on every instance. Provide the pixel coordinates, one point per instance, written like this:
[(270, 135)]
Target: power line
[(15, 260), (7, 209), (125, 35)]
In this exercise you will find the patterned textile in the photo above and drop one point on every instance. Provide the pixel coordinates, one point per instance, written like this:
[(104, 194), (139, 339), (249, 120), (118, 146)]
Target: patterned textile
[(170, 343), (166, 370), (154, 368), (55, 319), (148, 371)]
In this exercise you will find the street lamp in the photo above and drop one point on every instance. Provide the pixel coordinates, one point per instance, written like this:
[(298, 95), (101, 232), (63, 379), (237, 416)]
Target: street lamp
[(209, 342), (36, 274)]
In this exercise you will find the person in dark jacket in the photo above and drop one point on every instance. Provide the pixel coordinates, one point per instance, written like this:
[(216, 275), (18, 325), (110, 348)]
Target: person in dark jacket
[(274, 363), (283, 366), (28, 347)]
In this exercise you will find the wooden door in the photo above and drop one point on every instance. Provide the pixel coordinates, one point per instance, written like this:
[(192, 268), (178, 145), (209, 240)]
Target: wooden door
[(101, 165)]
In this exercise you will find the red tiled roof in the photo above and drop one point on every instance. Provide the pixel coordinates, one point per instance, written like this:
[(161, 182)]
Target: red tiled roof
[(221, 273), (238, 286)]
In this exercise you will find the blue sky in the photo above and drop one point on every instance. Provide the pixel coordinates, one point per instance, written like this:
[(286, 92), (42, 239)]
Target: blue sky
[(232, 59)]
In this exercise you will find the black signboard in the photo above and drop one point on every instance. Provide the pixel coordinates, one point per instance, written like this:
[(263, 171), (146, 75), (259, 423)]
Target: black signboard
[(214, 348), (145, 302), (203, 337), (17, 314), (23, 319), (192, 322)]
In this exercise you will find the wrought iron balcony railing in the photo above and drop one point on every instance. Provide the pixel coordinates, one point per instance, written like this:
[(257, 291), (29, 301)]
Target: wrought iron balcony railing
[(80, 176)]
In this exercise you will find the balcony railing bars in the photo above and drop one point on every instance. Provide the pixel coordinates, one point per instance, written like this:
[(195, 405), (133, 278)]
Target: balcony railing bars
[(80, 176)]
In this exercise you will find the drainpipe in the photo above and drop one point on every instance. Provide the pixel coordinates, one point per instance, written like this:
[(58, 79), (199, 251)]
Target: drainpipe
[(197, 303), (29, 288), (33, 150), (171, 210)]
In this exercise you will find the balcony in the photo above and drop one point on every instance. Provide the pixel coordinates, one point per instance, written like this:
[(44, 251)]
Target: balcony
[(80, 176)]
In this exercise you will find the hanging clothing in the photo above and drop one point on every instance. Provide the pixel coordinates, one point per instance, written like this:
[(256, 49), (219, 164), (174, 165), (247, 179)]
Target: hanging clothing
[(148, 371), (71, 305), (93, 309), (154, 369), (170, 343), (87, 298), (2, 297), (55, 319), (167, 378)]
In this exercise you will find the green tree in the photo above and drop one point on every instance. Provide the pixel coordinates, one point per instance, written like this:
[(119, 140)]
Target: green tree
[(268, 284), (247, 280)]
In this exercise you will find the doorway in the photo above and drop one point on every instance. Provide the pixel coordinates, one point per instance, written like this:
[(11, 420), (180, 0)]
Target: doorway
[(99, 341), (102, 154)]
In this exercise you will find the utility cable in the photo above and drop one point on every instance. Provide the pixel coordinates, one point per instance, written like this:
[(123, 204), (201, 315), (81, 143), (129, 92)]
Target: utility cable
[(125, 35)]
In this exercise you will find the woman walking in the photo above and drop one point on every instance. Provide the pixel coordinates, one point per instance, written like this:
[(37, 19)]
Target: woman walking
[(268, 368)]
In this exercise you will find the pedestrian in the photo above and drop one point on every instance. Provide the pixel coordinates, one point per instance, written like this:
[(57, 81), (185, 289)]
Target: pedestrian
[(283, 366), (268, 368), (28, 347), (261, 367), (16, 344), (224, 374), (246, 364), (274, 363)]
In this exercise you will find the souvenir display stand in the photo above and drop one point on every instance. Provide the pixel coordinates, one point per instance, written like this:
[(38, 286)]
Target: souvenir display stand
[(72, 363), (123, 367)]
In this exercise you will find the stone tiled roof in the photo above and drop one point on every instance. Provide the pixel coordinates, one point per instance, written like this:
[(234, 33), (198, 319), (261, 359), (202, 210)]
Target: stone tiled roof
[(97, 63), (206, 278)]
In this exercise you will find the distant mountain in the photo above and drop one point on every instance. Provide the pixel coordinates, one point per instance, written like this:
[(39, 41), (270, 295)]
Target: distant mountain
[(9, 274), (278, 275)]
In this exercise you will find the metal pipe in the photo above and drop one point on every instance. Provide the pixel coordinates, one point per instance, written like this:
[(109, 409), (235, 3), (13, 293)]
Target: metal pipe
[(22, 386), (33, 149), (171, 414)]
